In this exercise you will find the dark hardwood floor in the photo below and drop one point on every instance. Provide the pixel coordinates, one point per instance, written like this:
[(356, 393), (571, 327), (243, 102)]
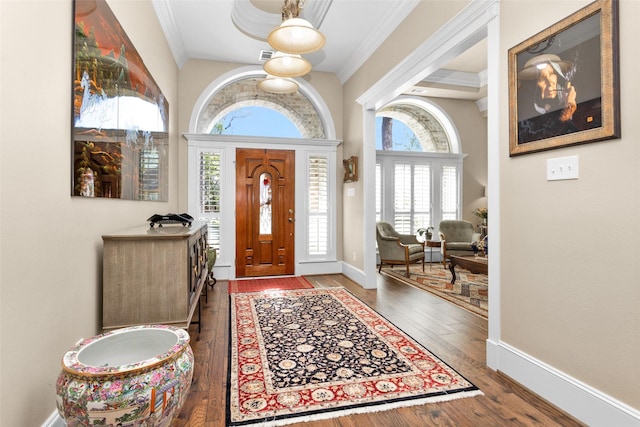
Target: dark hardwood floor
[(451, 333)]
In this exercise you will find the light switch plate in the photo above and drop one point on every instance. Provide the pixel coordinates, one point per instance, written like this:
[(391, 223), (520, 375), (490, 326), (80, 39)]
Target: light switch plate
[(561, 168)]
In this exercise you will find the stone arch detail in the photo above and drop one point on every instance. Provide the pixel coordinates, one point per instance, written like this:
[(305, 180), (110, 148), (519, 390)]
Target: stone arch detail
[(431, 125), (304, 108)]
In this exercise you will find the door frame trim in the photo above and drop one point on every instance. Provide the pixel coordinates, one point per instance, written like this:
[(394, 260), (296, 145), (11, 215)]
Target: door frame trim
[(225, 264)]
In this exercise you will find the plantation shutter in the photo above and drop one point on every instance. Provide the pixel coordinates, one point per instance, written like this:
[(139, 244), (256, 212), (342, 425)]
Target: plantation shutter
[(421, 196), (402, 198), (149, 183), (318, 209), (417, 191), (209, 194), (449, 192)]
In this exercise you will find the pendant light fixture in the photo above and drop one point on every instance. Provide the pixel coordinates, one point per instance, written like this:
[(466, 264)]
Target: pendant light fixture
[(276, 84), (287, 65), (295, 35)]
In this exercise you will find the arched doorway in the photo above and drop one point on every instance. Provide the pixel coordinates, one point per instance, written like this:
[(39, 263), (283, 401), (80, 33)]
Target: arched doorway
[(466, 29)]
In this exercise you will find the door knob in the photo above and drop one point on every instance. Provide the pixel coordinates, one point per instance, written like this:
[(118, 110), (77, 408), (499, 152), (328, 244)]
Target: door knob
[(290, 219)]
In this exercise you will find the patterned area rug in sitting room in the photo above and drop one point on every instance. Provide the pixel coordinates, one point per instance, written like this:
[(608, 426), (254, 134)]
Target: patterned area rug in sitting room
[(471, 291), (313, 354)]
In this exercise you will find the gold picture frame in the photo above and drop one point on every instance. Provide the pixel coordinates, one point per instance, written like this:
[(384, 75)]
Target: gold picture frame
[(564, 82), (350, 169)]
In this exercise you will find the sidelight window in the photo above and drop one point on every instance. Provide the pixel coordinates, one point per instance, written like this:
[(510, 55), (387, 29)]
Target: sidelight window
[(209, 165), (318, 206)]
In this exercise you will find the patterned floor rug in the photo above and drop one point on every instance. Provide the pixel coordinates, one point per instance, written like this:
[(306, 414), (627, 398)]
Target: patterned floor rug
[(269, 284), (315, 354), (471, 291)]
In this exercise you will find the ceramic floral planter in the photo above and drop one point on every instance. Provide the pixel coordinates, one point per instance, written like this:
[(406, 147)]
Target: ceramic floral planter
[(137, 376)]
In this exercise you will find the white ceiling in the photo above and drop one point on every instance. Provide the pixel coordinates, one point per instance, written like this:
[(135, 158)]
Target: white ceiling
[(235, 31)]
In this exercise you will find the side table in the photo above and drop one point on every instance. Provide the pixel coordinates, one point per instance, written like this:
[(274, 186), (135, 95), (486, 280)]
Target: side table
[(432, 244)]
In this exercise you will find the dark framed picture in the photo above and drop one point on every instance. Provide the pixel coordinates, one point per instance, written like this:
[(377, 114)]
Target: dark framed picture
[(350, 169), (564, 82)]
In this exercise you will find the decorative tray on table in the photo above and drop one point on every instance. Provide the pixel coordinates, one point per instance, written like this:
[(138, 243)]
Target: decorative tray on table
[(184, 219)]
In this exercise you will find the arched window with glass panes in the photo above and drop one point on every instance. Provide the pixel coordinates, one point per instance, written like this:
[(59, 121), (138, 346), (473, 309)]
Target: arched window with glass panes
[(418, 166)]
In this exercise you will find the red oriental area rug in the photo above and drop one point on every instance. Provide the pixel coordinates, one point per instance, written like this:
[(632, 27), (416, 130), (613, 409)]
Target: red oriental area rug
[(269, 284), (315, 354)]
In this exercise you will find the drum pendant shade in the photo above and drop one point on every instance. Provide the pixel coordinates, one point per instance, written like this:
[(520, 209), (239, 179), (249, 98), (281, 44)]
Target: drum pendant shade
[(286, 65), (296, 36), (278, 85)]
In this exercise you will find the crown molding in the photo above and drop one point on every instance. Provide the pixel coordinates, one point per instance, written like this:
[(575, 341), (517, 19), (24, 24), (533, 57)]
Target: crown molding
[(457, 78), (172, 35), (463, 31), (375, 39)]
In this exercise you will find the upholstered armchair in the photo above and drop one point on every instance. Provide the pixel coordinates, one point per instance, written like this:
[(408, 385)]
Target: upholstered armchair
[(398, 249), (456, 238)]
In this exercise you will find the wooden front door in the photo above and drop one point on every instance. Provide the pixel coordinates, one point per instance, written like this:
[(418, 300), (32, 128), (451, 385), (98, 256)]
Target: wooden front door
[(264, 212)]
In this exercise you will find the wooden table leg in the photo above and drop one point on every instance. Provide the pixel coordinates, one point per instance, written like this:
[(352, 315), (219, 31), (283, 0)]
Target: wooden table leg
[(453, 271)]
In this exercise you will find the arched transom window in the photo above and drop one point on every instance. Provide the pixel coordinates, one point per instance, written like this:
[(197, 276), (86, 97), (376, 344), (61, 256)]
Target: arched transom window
[(242, 107)]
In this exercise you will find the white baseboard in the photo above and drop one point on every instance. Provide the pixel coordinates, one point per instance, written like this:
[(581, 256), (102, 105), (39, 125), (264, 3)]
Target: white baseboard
[(54, 420), (305, 268), (582, 401), (354, 274), (322, 267)]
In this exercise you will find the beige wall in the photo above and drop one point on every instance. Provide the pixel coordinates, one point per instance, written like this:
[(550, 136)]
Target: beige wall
[(50, 242), (570, 292), (472, 130)]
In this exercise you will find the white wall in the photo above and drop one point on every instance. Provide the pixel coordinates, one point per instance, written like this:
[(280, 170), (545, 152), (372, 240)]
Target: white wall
[(50, 242)]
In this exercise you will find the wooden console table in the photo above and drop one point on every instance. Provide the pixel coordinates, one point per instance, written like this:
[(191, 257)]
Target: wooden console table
[(153, 275), (472, 263)]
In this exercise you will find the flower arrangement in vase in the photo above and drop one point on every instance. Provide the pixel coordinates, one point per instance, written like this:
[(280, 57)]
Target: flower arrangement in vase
[(481, 246), (482, 213)]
